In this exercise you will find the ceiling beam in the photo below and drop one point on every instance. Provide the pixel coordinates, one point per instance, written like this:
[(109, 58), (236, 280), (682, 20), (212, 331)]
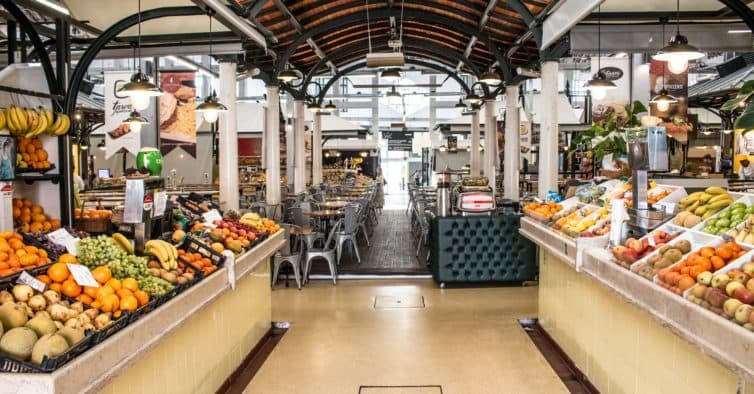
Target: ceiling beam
[(53, 14), (482, 21), (300, 29)]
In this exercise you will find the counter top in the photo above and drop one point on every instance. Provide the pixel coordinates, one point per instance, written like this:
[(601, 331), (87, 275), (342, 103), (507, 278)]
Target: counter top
[(92, 370)]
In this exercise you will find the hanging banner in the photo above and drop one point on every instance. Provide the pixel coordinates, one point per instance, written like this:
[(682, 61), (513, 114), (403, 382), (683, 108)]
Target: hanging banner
[(616, 71), (675, 117), (178, 111), (117, 108)]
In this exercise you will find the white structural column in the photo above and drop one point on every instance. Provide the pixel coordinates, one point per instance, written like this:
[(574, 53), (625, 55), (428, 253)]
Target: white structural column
[(290, 147), (490, 142), (272, 145), (317, 150), (228, 139), (474, 145), (299, 147), (512, 150), (548, 135)]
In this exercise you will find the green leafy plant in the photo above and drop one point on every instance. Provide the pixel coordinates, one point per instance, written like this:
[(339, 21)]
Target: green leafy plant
[(608, 136), (746, 120)]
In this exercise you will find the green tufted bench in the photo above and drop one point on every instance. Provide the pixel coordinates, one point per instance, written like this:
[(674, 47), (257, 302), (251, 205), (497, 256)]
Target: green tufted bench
[(467, 249)]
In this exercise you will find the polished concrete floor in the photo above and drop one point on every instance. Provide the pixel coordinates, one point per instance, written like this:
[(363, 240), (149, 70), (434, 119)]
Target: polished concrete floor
[(463, 340)]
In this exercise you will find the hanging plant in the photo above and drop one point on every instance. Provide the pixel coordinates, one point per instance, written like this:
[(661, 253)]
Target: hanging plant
[(746, 120), (609, 137)]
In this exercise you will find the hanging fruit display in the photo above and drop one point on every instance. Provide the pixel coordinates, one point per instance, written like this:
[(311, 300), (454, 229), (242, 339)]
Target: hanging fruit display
[(29, 122), (29, 217)]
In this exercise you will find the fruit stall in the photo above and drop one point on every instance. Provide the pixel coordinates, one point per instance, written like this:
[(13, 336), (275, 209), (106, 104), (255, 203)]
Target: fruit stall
[(659, 312)]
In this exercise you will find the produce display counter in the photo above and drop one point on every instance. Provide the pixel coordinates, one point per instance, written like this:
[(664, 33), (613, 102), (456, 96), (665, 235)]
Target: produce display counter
[(628, 334), (192, 343)]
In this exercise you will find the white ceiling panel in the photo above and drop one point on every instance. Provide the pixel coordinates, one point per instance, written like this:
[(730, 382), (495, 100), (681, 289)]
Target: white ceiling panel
[(659, 5)]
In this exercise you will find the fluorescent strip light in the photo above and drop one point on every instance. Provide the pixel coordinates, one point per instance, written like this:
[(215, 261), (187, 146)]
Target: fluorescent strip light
[(176, 59), (741, 31), (55, 6)]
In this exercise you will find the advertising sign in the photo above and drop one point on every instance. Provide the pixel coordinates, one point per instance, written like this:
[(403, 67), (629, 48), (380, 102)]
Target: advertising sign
[(675, 116), (117, 109), (178, 111)]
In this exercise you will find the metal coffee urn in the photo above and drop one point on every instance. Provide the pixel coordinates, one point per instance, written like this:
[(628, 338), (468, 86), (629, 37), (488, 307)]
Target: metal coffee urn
[(443, 193)]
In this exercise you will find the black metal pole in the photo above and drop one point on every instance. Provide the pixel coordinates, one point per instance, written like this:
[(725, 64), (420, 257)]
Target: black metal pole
[(22, 42), (65, 152), (12, 42)]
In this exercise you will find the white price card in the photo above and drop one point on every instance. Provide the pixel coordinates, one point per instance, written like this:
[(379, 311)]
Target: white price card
[(669, 208), (34, 283), (63, 238), (211, 216), (82, 275), (160, 202), (618, 209)]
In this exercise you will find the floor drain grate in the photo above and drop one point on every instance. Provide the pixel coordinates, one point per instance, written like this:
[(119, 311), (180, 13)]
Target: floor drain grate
[(404, 301), (432, 389)]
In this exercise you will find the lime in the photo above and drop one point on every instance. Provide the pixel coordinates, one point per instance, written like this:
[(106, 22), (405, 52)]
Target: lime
[(711, 223), (739, 205)]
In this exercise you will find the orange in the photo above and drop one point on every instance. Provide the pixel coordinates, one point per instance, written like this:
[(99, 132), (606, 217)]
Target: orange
[(685, 282), (114, 283), (142, 297), (130, 284), (91, 291), (110, 303), (56, 287), (129, 303), (724, 252), (96, 304), (71, 288), (27, 203), (707, 251), (17, 203), (102, 274), (104, 291), (58, 272), (717, 263), (124, 293), (85, 298), (67, 258)]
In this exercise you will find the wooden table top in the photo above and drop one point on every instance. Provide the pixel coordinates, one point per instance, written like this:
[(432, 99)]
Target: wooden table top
[(326, 213), (333, 204), (301, 230)]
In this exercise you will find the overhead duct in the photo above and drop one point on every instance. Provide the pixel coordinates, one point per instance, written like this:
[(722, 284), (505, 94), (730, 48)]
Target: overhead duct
[(386, 59), (228, 15)]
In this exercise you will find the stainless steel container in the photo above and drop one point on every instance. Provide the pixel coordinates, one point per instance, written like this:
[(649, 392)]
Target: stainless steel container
[(443, 194)]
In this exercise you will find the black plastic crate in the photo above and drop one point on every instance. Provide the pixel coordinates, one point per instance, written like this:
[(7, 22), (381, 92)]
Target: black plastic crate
[(49, 364), (194, 245), (112, 328), (11, 279), (32, 241)]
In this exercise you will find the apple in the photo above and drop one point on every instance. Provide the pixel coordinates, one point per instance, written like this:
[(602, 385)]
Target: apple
[(698, 291), (732, 286), (705, 278), (635, 244), (719, 281), (619, 251), (750, 284), (717, 310), (749, 268), (739, 276), (730, 306), (630, 256), (742, 313), (743, 295), (716, 297)]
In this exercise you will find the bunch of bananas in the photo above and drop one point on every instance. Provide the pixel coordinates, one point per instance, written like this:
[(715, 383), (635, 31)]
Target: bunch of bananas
[(29, 122), (164, 252), (123, 242)]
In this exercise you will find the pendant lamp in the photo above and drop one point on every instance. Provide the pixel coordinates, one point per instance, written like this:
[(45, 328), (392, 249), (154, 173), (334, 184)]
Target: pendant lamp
[(460, 105), (211, 107), (473, 98), (391, 75), (135, 121), (678, 53), (330, 107), (393, 95), (490, 78), (314, 107), (139, 89), (599, 85), (663, 100), (288, 76)]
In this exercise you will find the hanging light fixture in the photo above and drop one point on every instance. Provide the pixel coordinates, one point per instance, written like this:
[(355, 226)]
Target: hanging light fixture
[(314, 107), (678, 53), (135, 121), (490, 78), (391, 75), (139, 90), (393, 95), (101, 145), (330, 107), (599, 85), (211, 107), (460, 105), (288, 76), (473, 98), (663, 100)]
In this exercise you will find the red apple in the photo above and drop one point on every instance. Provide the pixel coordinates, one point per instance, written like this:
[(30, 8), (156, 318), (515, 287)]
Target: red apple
[(630, 256), (619, 251), (743, 295)]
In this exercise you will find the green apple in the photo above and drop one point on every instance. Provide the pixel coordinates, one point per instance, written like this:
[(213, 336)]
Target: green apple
[(742, 313), (705, 278), (732, 286), (731, 306)]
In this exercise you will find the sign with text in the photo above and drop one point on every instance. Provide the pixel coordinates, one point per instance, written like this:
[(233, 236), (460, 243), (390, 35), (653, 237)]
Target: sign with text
[(398, 135), (81, 275), (118, 135), (63, 238)]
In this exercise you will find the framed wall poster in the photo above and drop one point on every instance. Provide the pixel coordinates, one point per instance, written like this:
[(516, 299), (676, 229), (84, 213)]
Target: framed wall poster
[(7, 158)]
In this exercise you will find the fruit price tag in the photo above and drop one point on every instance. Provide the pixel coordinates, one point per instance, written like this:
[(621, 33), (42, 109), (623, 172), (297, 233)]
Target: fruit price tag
[(82, 275), (63, 238), (34, 283), (651, 240), (616, 221), (211, 216), (669, 208), (160, 202)]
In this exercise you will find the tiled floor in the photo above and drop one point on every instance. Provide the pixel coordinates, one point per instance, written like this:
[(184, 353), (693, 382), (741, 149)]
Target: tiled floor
[(464, 340)]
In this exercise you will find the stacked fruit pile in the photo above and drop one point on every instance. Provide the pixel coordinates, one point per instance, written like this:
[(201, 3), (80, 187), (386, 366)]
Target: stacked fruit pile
[(198, 261), (35, 326), (745, 231), (29, 122), (79, 213), (258, 223), (729, 294), (575, 222), (31, 154), (635, 249), (15, 256), (666, 256), (729, 219), (699, 206), (683, 275), (29, 217), (543, 210)]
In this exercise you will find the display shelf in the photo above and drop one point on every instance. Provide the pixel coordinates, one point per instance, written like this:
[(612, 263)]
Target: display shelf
[(715, 336), (559, 245), (91, 371), (31, 177)]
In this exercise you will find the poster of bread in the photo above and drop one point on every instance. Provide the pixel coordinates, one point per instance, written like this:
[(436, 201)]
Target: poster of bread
[(178, 111)]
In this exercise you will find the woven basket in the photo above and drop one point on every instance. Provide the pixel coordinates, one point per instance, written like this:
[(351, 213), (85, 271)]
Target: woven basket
[(117, 218), (92, 225)]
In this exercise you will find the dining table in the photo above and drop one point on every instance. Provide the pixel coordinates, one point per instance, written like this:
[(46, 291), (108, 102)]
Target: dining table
[(333, 204), (326, 216)]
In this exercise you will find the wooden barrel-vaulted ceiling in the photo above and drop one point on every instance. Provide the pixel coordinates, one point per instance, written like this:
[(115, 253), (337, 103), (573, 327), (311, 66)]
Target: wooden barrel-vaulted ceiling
[(447, 32)]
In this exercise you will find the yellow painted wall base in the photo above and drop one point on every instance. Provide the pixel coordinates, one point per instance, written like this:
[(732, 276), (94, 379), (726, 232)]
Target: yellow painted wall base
[(201, 354), (620, 348)]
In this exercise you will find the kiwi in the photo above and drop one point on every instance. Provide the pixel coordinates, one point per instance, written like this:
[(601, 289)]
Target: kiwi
[(684, 246), (673, 254)]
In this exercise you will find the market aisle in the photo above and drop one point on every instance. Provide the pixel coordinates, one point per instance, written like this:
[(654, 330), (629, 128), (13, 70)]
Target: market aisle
[(465, 340)]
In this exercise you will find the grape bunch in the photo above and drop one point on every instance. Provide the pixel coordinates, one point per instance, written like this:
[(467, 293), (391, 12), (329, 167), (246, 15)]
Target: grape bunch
[(154, 286), (100, 250), (129, 267)]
